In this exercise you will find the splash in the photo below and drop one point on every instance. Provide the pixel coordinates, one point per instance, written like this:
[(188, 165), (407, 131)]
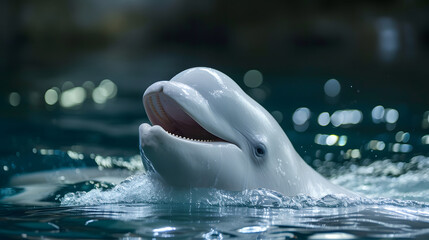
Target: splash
[(149, 188), (387, 178)]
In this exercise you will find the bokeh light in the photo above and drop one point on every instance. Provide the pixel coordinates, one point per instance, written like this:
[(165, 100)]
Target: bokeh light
[(253, 78), (388, 38), (425, 121), (332, 88), (301, 116), (73, 97), (67, 85), (278, 116), (346, 117), (324, 119), (425, 139), (51, 96), (107, 89), (330, 140), (403, 148), (376, 145), (377, 114), (88, 85), (391, 115), (258, 94), (352, 154), (14, 99), (388, 115), (402, 136)]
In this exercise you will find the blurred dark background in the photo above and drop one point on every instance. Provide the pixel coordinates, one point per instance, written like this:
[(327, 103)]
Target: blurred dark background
[(376, 45), (55, 57)]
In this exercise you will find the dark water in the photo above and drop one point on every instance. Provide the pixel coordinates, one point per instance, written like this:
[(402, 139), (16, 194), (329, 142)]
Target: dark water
[(135, 221), (76, 172)]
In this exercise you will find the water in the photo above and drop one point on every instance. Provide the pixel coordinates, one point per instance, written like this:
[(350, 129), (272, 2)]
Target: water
[(142, 206), (77, 173)]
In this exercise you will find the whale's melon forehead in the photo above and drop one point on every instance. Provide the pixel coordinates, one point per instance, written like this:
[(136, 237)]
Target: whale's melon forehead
[(226, 99), (206, 81)]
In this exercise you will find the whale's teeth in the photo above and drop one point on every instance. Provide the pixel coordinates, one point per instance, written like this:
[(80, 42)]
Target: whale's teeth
[(189, 139)]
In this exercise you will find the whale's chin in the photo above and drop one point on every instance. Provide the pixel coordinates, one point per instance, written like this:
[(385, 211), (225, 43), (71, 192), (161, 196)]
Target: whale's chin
[(165, 112)]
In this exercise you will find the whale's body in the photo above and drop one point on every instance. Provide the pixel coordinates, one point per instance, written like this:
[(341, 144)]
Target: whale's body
[(207, 132)]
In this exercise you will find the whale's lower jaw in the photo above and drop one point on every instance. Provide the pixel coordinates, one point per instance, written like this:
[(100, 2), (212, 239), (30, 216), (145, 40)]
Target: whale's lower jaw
[(188, 163)]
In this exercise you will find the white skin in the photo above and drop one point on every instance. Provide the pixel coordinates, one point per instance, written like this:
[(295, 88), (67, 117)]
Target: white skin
[(247, 148)]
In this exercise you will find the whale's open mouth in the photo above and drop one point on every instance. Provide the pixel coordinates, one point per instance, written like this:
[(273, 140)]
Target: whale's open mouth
[(162, 110)]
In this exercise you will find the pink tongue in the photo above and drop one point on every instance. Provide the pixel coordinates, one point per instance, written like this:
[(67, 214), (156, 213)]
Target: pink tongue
[(164, 111)]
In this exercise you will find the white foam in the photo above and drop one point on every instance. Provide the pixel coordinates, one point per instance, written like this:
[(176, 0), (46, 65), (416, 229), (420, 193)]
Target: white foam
[(386, 178), (149, 188)]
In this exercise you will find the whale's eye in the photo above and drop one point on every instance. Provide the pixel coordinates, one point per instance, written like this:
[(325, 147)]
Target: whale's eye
[(260, 150)]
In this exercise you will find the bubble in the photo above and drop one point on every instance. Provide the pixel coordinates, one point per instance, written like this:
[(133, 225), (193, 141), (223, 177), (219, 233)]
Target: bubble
[(253, 78), (332, 88)]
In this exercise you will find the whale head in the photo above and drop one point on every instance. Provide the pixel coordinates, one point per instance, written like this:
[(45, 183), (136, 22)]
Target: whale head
[(207, 132)]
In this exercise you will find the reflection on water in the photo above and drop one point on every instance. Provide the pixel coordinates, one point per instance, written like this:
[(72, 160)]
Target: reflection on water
[(135, 221)]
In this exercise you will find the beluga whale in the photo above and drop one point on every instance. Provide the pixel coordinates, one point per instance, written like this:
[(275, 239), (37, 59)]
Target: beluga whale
[(207, 132)]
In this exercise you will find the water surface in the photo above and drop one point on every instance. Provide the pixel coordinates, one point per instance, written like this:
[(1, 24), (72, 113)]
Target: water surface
[(76, 172)]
